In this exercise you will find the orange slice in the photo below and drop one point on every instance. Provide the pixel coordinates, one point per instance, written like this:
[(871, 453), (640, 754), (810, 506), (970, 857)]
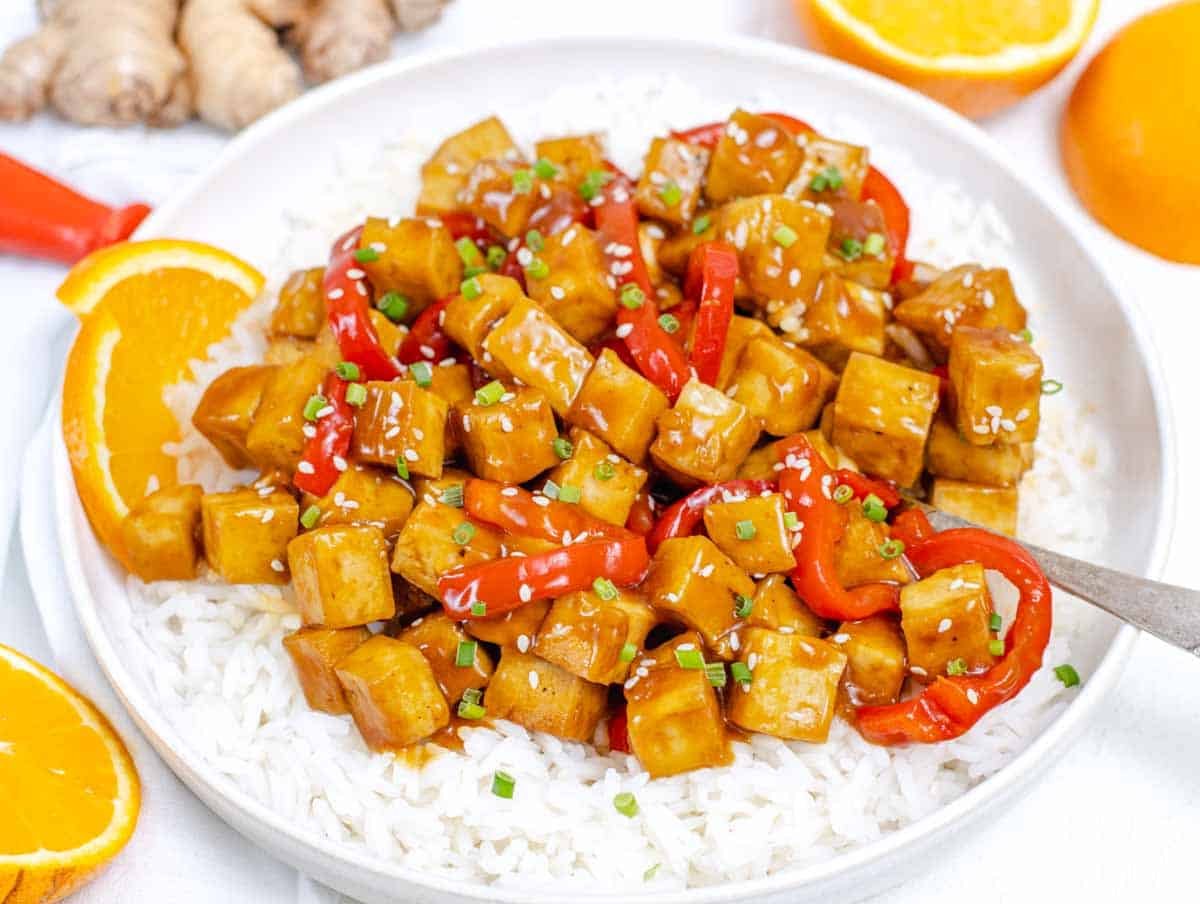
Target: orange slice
[(70, 790), (149, 309), (976, 56)]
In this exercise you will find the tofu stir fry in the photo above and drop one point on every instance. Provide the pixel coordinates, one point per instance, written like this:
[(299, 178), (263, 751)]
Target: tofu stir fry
[(620, 459)]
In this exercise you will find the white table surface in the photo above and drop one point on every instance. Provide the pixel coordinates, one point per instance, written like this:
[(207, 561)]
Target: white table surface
[(1118, 818)]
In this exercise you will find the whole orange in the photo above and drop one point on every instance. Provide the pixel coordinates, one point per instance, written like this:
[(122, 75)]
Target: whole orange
[(1130, 134)]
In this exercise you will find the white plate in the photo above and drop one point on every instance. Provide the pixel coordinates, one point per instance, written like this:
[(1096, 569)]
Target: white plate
[(1102, 352)]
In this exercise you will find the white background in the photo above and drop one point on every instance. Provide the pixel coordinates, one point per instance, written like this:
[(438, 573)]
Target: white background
[(1116, 820)]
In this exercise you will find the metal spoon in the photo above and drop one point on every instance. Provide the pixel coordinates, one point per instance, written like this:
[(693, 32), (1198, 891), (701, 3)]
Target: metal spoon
[(1169, 613)]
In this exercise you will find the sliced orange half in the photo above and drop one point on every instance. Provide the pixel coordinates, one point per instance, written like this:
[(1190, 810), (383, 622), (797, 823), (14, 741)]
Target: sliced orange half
[(70, 790)]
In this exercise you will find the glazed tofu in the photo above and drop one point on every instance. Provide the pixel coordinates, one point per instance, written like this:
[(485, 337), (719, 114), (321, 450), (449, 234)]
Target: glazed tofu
[(300, 311), (672, 174), (876, 660), (393, 694), (674, 715), (400, 421), (574, 155), (246, 534), (882, 415), (692, 581), (593, 638), (275, 440), (858, 558), (858, 249), (704, 437), (503, 193), (754, 156), (965, 296), (226, 410), (531, 346), (950, 455), (992, 507), (792, 692), (608, 484), (365, 495), (160, 534), (997, 382), (785, 388), (445, 173), (426, 548), (458, 662), (390, 334), (516, 628), (742, 330), (452, 384), (540, 696), (340, 574), (468, 320), (945, 618), (844, 318), (415, 258), (511, 441), (752, 533), (315, 653), (576, 293), (777, 607), (830, 169), (619, 405)]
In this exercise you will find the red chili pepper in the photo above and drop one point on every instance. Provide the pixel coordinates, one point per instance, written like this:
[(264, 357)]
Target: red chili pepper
[(618, 731), (864, 486), (516, 511), (807, 485), (685, 515), (710, 133), (426, 340), (641, 514), (325, 451), (878, 188), (40, 217), (950, 706), (711, 278), (347, 302), (504, 584)]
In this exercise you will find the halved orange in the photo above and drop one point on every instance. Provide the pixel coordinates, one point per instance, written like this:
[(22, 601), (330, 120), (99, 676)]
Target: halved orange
[(148, 309), (70, 790), (976, 56)]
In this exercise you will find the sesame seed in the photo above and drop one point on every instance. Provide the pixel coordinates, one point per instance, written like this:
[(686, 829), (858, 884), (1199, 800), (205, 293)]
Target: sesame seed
[(523, 642), (972, 695), (411, 455), (335, 294), (306, 467), (340, 463), (557, 293), (533, 679), (944, 625), (840, 638), (525, 593), (509, 491), (623, 330), (276, 565)]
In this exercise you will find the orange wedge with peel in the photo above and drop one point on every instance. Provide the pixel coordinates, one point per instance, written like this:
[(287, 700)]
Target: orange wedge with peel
[(148, 309), (70, 790), (975, 56)]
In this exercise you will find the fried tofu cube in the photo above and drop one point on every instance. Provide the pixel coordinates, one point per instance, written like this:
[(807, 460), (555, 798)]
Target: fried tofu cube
[(830, 169), (692, 581), (452, 384), (459, 663), (340, 574), (390, 334), (742, 330), (619, 405), (393, 694), (876, 660), (301, 308), (246, 535), (992, 507), (275, 440), (576, 293), (537, 351), (965, 296), (945, 618), (365, 495), (754, 156), (574, 155), (415, 258), (858, 557), (468, 320), (785, 388), (843, 318), (858, 249), (593, 638), (160, 534), (515, 628), (503, 193), (674, 715), (400, 421), (315, 653), (882, 415), (949, 455), (792, 692), (672, 174), (541, 696), (997, 382), (445, 173), (752, 533), (777, 607), (608, 484), (511, 441), (704, 437), (426, 548)]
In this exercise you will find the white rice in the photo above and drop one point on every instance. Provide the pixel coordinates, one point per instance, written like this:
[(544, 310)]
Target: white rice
[(213, 660)]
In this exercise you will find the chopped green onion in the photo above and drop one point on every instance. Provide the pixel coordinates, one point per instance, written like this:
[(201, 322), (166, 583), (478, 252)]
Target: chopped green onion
[(347, 370), (626, 804), (956, 667), (1051, 387), (843, 493), (745, 530), (463, 533), (649, 874), (592, 183), (628, 651), (393, 306), (605, 589), (743, 605), (471, 272), (669, 323), (473, 695), (503, 784), (829, 178), (715, 673), (671, 194), (464, 656), (874, 508), (312, 406), (366, 255), (632, 297), (785, 235), (790, 521), (310, 516), (534, 240), (356, 394), (569, 493), (604, 470), (741, 673), (996, 647), (479, 608), (401, 467), (470, 710), (496, 256), (995, 622), (891, 549), (468, 252), (537, 269), (489, 394), (522, 182), (550, 490), (453, 495), (544, 169), (421, 373), (689, 659), (563, 448), (874, 244), (470, 288), (1026, 336), (851, 248), (1067, 675), (701, 224)]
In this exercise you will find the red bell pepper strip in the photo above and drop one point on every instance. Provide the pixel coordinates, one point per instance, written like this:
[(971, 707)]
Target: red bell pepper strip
[(950, 706), (685, 515), (911, 527), (618, 731), (641, 515), (518, 511), (347, 303), (504, 584), (466, 225), (710, 133), (807, 485), (325, 451), (40, 217), (864, 486), (426, 340), (878, 188), (711, 278)]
